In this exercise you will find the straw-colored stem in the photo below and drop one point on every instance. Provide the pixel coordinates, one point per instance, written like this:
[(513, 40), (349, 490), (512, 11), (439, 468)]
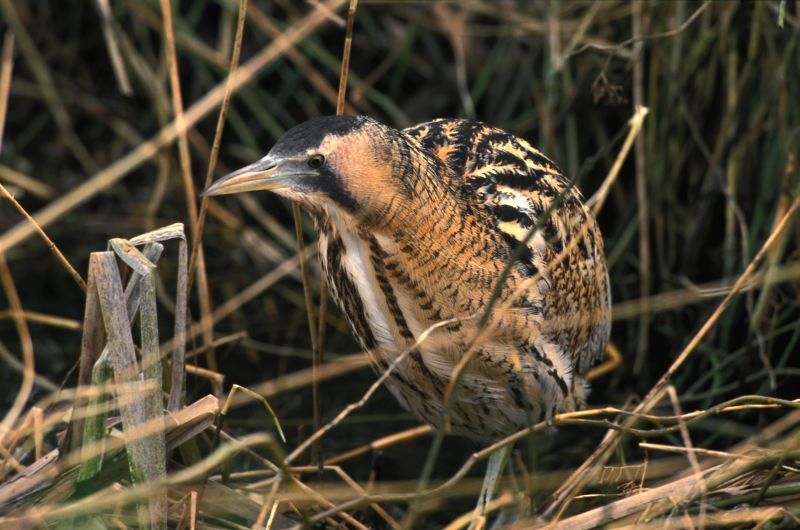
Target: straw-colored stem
[(26, 344)]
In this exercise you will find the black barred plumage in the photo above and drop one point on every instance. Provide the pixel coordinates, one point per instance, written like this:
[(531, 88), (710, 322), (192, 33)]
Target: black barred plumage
[(419, 226)]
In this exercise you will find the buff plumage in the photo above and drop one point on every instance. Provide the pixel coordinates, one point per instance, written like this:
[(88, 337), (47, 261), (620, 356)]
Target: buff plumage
[(459, 222)]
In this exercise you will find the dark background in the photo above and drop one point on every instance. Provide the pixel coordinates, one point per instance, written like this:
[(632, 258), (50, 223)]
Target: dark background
[(718, 150)]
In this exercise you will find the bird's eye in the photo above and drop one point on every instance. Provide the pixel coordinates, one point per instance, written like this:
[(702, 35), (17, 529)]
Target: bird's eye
[(316, 161)]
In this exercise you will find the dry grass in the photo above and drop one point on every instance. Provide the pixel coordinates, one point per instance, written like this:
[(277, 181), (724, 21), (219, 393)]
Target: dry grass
[(237, 420)]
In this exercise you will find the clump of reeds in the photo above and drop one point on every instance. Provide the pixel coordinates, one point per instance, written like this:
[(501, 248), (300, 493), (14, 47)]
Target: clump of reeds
[(700, 201)]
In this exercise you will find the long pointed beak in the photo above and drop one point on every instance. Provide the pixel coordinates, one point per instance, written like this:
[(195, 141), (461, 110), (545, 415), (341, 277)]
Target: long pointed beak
[(264, 175)]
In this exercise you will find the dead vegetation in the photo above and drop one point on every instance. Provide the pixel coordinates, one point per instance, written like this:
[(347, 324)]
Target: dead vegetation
[(187, 377)]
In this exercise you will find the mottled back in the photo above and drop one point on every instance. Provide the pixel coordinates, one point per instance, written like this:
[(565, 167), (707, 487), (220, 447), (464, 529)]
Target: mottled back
[(523, 191)]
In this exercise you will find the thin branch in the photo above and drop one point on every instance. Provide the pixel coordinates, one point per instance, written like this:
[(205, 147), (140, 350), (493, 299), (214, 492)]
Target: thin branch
[(49, 242)]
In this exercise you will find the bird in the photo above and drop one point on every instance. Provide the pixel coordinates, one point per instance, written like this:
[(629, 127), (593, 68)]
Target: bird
[(451, 245)]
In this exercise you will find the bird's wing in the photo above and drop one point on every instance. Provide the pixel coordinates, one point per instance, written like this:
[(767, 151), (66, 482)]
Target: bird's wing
[(523, 191)]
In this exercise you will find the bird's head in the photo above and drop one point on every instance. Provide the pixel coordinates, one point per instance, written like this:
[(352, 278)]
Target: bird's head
[(342, 163)]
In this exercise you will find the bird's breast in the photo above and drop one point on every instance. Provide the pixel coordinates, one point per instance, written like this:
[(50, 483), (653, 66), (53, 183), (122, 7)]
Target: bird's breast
[(411, 318)]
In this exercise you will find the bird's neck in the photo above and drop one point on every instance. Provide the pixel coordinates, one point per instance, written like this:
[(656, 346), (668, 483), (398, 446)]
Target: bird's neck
[(433, 223)]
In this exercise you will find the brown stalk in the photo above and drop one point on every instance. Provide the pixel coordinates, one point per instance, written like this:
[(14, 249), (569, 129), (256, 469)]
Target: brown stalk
[(17, 178), (221, 341), (595, 203), (193, 510), (93, 338), (26, 344), (381, 443), (641, 185), (317, 80), (505, 499), (5, 80), (183, 40), (361, 491), (348, 42), (662, 499), (303, 378), (203, 291), (269, 504), (695, 450), (318, 344), (8, 358), (704, 292), (223, 115), (312, 327), (29, 371), (616, 48), (687, 443), (49, 242), (315, 495)]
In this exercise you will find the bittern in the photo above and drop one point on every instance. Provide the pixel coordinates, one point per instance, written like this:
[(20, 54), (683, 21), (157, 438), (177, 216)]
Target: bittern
[(451, 221)]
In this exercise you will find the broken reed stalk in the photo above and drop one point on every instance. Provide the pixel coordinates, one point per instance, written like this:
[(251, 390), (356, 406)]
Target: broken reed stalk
[(178, 345), (93, 432), (138, 391), (776, 253), (178, 378), (92, 344), (151, 371), (93, 425), (595, 203), (145, 456)]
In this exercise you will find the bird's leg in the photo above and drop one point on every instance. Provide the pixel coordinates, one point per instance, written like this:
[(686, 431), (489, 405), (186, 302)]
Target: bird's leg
[(494, 469)]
